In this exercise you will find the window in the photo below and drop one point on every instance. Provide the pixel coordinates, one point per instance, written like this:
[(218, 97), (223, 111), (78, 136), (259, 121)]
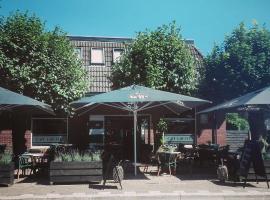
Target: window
[(117, 54), (97, 56), (78, 52)]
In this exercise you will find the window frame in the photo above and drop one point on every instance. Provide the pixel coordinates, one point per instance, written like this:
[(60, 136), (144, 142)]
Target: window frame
[(117, 49), (79, 56), (103, 56)]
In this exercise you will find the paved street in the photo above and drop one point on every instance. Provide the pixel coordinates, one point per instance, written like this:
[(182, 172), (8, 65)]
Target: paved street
[(144, 186)]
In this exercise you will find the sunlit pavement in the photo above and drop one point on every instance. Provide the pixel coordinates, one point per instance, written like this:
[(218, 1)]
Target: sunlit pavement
[(144, 186)]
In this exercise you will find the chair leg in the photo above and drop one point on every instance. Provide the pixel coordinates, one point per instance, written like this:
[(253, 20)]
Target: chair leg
[(145, 168), (18, 174), (170, 170), (159, 168)]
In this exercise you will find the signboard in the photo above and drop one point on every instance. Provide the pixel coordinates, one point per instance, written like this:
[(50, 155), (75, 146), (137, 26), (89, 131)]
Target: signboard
[(179, 138), (251, 153), (246, 159), (48, 139), (94, 131)]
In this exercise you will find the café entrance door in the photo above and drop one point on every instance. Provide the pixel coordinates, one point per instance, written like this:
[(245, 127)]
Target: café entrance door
[(119, 135)]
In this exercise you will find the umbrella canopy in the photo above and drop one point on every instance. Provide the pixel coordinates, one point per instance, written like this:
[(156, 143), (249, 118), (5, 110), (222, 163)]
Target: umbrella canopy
[(10, 100), (135, 99), (258, 97), (139, 95)]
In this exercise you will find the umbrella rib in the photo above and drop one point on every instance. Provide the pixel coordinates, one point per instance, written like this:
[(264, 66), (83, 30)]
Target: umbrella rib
[(87, 110), (181, 105), (84, 106), (171, 109), (161, 104), (46, 110), (126, 106), (8, 107), (115, 106), (144, 106)]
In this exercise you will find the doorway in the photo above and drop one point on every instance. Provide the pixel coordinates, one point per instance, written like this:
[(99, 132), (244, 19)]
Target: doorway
[(119, 138)]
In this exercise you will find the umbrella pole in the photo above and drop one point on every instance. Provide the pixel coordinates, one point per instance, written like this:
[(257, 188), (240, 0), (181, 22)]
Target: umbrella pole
[(135, 143)]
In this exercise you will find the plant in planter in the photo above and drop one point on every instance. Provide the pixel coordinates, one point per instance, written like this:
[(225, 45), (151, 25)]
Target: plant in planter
[(6, 169), (73, 166), (162, 127)]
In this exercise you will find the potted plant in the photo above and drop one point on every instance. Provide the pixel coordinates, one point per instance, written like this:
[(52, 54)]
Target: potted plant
[(162, 127), (6, 169), (76, 167)]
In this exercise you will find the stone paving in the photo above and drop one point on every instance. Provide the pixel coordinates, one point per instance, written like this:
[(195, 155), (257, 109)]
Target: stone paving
[(144, 186)]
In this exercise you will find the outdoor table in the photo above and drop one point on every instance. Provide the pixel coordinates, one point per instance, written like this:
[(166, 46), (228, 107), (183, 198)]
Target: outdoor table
[(167, 159), (39, 160)]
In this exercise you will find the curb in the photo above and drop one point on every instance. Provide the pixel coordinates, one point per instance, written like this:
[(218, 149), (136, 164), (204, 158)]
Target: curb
[(180, 195)]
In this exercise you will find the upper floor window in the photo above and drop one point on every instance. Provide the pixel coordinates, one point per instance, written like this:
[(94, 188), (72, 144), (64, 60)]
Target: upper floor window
[(78, 52), (97, 56), (117, 54)]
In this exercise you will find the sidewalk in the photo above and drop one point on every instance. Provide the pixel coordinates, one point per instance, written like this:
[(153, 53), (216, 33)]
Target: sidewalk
[(144, 186)]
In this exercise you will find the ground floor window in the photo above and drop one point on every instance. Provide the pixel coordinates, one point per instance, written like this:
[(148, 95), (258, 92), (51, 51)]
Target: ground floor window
[(47, 131), (180, 130)]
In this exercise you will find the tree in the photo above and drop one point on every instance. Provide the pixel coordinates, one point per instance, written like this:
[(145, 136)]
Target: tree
[(236, 122), (158, 59), (240, 65), (39, 63)]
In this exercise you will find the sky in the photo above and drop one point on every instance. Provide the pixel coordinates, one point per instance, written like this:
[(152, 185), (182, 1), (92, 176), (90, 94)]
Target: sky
[(205, 21)]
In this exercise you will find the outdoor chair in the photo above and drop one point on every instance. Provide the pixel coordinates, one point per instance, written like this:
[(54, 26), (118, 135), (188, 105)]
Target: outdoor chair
[(25, 163), (208, 154), (150, 161), (222, 153), (188, 157), (166, 161)]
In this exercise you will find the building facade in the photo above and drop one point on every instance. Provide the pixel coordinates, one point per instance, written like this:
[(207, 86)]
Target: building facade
[(105, 126), (98, 55)]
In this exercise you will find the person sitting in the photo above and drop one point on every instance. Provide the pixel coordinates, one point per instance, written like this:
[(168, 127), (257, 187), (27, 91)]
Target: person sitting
[(264, 146)]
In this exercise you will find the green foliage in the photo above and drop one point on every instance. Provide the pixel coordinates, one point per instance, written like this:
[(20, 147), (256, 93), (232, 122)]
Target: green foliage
[(5, 158), (76, 156), (235, 121), (158, 59), (39, 63), (240, 65), (166, 148), (162, 126)]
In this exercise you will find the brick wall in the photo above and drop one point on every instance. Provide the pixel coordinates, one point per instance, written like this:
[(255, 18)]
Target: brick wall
[(206, 135), (222, 134), (6, 138), (28, 139)]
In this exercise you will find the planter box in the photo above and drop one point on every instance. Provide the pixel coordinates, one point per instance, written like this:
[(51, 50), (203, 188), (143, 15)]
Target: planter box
[(7, 174), (68, 172)]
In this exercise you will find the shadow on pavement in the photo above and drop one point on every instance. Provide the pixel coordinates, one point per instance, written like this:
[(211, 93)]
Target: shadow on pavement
[(231, 184), (101, 187)]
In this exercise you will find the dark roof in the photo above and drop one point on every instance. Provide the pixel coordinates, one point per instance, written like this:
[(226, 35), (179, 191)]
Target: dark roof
[(100, 38), (99, 74)]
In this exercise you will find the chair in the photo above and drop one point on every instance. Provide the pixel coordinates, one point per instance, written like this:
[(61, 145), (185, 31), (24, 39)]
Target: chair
[(25, 162), (151, 160), (166, 160), (190, 155), (147, 157)]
